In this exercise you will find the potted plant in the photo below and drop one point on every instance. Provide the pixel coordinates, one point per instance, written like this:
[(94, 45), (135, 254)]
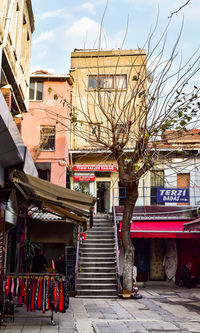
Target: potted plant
[(29, 252)]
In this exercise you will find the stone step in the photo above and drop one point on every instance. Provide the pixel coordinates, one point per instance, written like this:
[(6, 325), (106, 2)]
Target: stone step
[(98, 232), (101, 225), (96, 259), (98, 245), (94, 269), (98, 241), (97, 275), (94, 250), (97, 292), (96, 238), (102, 216), (96, 280), (92, 286), (101, 234), (98, 264), (100, 229), (100, 221), (96, 255)]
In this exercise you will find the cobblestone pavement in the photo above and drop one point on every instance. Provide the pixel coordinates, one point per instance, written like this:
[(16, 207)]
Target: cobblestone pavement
[(161, 309)]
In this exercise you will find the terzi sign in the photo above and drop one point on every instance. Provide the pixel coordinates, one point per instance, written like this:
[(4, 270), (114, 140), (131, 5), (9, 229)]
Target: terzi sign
[(172, 195), (94, 167), (84, 178)]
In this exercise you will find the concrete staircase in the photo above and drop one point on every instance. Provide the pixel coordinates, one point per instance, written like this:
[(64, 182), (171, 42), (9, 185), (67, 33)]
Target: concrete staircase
[(97, 261)]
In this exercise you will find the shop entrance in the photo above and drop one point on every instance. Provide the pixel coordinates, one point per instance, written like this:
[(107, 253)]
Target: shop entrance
[(103, 197)]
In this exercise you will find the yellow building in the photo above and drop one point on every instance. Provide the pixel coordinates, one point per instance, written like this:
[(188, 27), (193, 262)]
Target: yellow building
[(104, 82)]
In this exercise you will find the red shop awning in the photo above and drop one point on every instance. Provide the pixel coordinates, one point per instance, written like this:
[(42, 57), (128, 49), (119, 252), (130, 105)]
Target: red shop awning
[(160, 229)]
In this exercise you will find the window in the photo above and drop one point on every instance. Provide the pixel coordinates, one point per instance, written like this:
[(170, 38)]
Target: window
[(36, 91), (107, 81), (47, 138), (44, 170), (183, 181), (157, 180)]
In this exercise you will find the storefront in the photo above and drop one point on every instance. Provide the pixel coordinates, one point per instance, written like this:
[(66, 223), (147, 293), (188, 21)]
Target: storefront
[(55, 237), (162, 247), (50, 212), (97, 180)]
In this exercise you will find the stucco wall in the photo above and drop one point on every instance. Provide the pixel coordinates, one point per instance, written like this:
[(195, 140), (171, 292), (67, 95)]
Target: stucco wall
[(52, 113), (83, 64)]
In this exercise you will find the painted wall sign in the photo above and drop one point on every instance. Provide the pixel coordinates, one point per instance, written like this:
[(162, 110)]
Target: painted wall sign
[(84, 178), (172, 195), (94, 167)]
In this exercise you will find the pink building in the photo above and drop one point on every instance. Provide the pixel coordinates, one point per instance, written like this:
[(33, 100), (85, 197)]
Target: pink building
[(45, 127)]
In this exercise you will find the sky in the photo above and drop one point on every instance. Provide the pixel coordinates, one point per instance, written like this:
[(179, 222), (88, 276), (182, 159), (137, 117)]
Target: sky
[(63, 25)]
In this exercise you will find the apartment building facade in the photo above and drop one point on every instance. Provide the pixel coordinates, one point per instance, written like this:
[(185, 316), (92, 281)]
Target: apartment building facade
[(46, 129), (16, 28), (102, 80)]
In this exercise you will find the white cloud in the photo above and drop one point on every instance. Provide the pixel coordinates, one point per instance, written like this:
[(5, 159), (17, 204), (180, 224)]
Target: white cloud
[(88, 6), (44, 37), (49, 14), (84, 31)]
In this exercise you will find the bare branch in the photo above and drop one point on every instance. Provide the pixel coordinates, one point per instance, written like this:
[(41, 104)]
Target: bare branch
[(178, 10)]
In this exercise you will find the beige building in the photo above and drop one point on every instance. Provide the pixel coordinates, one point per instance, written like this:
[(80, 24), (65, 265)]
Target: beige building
[(16, 28), (104, 82)]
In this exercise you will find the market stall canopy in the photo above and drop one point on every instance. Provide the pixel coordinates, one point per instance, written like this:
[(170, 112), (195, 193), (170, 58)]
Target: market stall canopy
[(159, 229), (67, 203)]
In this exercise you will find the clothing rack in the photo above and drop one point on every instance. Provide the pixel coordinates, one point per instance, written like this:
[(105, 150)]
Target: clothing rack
[(29, 290)]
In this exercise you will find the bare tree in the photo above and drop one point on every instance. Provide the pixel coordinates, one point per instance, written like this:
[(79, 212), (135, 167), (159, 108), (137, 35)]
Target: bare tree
[(178, 10), (129, 123)]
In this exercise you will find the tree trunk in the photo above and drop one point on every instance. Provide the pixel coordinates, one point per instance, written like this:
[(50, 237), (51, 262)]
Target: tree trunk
[(132, 195)]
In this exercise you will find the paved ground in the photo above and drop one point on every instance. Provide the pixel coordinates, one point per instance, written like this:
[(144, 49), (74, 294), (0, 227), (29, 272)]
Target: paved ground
[(161, 309)]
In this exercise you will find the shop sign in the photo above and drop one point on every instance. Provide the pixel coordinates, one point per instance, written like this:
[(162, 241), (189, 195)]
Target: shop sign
[(84, 178), (172, 195), (94, 167)]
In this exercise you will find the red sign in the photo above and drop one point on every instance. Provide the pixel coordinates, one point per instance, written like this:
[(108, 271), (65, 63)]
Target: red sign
[(94, 167), (84, 178), (83, 235)]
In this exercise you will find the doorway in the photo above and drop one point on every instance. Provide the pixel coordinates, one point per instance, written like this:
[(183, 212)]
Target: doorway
[(103, 197)]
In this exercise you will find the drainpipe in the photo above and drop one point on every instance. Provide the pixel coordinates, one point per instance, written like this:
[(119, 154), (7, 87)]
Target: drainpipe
[(6, 31)]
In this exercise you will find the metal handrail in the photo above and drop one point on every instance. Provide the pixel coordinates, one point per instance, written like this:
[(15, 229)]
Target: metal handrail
[(77, 258), (117, 252)]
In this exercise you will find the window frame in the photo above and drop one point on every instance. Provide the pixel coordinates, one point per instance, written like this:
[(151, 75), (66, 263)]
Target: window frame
[(50, 135), (157, 180), (102, 77), (35, 91)]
